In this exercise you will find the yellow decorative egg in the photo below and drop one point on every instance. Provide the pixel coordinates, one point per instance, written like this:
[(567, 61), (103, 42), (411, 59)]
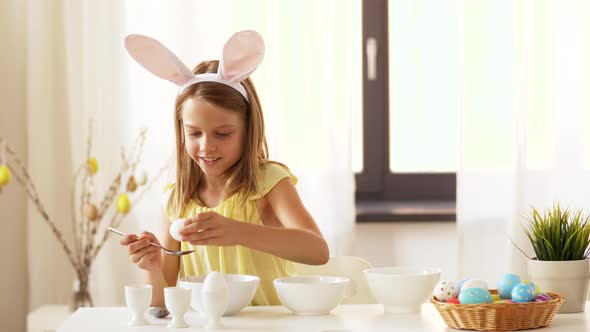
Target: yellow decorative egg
[(123, 203), (4, 175), (168, 187), (92, 165)]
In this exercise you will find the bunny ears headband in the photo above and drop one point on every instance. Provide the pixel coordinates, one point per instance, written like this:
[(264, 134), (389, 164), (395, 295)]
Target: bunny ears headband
[(241, 55)]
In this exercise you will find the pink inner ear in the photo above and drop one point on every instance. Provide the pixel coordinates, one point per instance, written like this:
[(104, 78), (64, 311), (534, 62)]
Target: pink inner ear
[(157, 59), (241, 55), (240, 65)]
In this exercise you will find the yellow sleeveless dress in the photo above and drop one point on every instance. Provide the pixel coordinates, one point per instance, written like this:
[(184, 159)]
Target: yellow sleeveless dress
[(239, 259)]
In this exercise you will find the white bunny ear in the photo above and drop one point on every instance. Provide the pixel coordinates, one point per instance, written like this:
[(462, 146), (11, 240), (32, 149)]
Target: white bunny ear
[(157, 59), (242, 54)]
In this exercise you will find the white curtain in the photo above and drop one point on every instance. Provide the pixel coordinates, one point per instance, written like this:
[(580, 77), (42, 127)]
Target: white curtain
[(74, 74), (525, 125), (310, 85)]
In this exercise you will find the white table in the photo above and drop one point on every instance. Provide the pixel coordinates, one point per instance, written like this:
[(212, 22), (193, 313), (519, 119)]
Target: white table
[(350, 318), (47, 318)]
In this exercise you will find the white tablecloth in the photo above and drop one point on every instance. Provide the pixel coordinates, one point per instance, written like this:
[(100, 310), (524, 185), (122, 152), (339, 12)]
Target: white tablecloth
[(349, 318)]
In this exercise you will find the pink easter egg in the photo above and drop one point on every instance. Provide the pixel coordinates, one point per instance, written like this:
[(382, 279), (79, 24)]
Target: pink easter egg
[(542, 297)]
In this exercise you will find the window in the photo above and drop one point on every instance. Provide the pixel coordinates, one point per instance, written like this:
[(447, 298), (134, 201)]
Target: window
[(409, 133)]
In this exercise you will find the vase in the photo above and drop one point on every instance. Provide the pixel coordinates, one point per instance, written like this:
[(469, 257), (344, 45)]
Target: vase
[(81, 296), (566, 278)]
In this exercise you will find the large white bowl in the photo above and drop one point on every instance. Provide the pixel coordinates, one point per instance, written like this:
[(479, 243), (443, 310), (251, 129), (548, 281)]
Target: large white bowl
[(312, 295), (402, 289), (241, 290)]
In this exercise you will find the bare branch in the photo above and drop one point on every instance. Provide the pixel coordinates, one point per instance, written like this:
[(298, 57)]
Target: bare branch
[(24, 178)]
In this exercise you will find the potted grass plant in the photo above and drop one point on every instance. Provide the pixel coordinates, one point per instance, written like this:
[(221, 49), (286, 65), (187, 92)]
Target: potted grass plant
[(561, 241)]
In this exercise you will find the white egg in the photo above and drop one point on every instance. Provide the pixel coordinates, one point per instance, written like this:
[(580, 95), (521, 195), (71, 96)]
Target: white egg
[(214, 282), (175, 228), (474, 283)]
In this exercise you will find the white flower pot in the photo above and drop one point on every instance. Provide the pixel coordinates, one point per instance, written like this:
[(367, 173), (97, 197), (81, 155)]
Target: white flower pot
[(566, 278)]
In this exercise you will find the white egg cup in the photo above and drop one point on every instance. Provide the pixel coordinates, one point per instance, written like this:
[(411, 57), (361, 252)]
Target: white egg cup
[(138, 298), (214, 303), (214, 298), (177, 300)]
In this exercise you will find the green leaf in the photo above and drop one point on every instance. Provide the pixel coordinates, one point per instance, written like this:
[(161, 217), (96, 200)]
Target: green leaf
[(558, 234)]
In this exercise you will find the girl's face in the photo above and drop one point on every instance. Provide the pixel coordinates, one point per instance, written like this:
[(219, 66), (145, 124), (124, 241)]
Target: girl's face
[(214, 136)]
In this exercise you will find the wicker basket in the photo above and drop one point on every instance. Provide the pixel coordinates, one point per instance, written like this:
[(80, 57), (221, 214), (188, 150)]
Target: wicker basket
[(499, 317)]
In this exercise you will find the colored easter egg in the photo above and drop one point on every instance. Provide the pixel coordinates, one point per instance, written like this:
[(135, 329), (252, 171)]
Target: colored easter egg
[(536, 289), (475, 296), (506, 283), (4, 175), (496, 297), (542, 297), (474, 283), (454, 300), (92, 165), (523, 292), (131, 184), (91, 212), (445, 290), (503, 301), (459, 284), (123, 203)]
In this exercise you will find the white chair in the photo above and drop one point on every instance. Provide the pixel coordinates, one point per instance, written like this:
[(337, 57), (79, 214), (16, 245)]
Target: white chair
[(351, 267)]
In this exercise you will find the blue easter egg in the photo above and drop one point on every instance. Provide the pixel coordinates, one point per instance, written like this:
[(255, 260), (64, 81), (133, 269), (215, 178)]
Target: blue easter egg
[(537, 289), (475, 296), (532, 284), (506, 284), (523, 292)]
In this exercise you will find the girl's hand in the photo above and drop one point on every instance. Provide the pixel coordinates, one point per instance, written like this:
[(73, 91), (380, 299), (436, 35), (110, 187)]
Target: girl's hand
[(210, 228), (141, 253)]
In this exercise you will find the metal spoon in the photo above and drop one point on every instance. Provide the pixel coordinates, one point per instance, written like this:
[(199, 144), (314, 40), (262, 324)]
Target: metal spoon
[(169, 252)]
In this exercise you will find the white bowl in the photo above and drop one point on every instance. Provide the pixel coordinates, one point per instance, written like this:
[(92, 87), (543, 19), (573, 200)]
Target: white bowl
[(402, 289), (312, 295), (241, 290)]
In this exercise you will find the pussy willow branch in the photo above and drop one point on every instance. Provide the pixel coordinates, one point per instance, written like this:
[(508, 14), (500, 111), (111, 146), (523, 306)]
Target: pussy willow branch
[(86, 196), (127, 168), (77, 236), (107, 202), (83, 222), (31, 191), (117, 218)]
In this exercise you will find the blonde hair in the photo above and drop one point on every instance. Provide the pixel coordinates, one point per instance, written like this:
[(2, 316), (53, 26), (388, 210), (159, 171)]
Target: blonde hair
[(243, 178)]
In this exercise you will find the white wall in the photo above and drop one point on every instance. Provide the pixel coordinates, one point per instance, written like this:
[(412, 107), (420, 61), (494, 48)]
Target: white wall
[(13, 278), (431, 244)]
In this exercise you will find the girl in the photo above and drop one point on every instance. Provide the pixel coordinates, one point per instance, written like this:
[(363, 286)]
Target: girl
[(244, 213)]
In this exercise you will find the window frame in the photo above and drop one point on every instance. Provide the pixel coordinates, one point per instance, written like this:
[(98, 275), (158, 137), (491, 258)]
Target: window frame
[(376, 184)]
